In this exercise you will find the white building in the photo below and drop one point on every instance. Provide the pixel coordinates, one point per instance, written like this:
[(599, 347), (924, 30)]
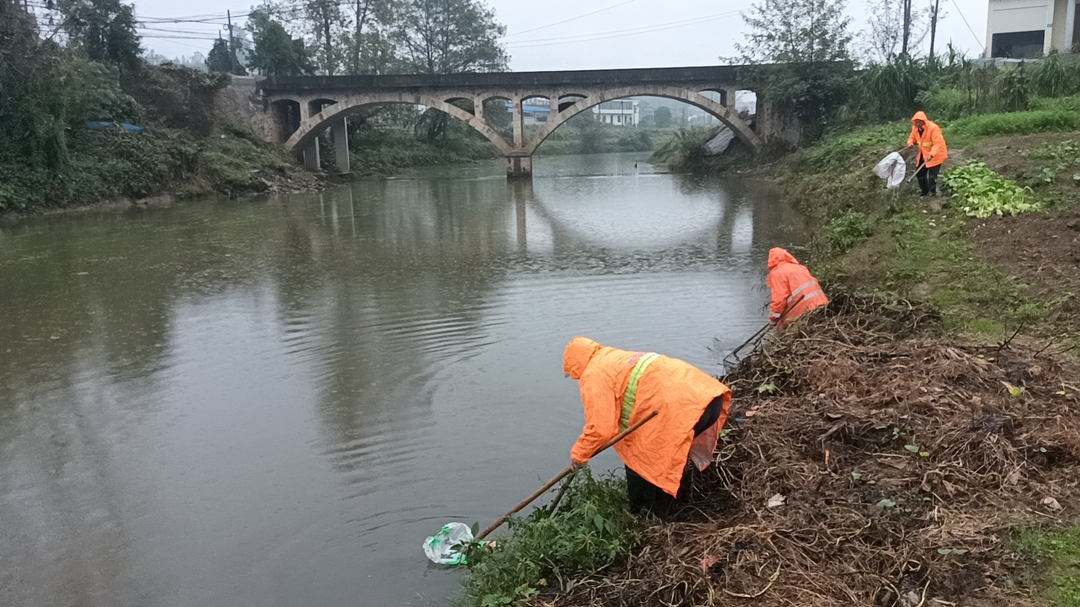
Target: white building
[(1020, 29), (622, 112)]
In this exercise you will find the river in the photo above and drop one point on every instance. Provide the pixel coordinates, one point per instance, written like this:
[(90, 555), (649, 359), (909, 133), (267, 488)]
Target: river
[(273, 402)]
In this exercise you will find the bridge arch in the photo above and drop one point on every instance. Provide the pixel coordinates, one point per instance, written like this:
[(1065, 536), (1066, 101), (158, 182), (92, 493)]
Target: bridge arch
[(311, 127), (724, 114)]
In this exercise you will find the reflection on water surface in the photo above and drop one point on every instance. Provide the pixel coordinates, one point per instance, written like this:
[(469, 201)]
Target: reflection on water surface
[(273, 402)]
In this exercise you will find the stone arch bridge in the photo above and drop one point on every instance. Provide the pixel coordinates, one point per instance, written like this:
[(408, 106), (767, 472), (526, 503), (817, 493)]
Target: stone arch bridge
[(303, 107)]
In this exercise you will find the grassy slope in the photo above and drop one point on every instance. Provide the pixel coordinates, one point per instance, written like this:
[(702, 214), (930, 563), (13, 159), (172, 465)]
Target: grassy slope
[(114, 164), (908, 247)]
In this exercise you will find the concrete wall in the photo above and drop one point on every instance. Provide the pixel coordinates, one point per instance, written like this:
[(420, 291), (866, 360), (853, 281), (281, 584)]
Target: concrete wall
[(1009, 16), (778, 130)]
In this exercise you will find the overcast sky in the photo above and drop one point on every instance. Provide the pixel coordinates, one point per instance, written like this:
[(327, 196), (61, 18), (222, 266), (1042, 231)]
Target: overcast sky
[(586, 34)]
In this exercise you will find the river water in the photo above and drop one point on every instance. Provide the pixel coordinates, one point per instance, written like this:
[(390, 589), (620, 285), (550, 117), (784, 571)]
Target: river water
[(273, 402)]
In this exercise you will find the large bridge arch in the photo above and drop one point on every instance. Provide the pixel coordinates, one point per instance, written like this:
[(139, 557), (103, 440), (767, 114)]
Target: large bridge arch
[(310, 128), (724, 114)]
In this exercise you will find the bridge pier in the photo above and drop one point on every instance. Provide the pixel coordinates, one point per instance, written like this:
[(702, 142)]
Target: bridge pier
[(519, 166), (340, 132), (311, 156)]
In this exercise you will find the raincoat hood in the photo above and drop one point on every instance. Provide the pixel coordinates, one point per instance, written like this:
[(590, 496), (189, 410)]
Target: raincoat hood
[(577, 355), (778, 256), (919, 115)]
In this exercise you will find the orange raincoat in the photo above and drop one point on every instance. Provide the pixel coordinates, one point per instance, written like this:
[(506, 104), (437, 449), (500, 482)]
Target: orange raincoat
[(659, 449), (788, 280), (931, 142)]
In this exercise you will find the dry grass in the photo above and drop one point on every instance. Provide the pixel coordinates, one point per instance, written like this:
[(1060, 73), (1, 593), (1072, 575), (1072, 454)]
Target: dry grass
[(902, 461)]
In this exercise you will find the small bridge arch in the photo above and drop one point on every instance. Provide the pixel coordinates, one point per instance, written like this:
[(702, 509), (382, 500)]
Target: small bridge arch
[(725, 114), (310, 128)]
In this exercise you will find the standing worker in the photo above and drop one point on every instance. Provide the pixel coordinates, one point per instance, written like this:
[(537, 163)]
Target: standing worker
[(789, 281), (618, 388), (932, 151)]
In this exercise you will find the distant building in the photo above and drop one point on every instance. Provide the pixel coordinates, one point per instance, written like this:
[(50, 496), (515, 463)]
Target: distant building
[(622, 112), (536, 111), (1020, 29)]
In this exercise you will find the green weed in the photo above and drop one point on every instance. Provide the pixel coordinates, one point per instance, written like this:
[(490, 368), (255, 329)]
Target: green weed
[(1013, 123), (1066, 104), (847, 230), (840, 148), (591, 529), (1057, 555)]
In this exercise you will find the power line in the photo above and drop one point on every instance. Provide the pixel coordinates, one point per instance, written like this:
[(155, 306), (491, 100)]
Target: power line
[(619, 33), (156, 37), (570, 19), (977, 39)]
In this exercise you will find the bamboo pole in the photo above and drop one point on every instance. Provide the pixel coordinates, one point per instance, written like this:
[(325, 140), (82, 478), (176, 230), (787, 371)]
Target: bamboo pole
[(561, 475)]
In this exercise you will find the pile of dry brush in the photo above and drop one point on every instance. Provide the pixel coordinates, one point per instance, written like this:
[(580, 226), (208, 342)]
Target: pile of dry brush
[(869, 464)]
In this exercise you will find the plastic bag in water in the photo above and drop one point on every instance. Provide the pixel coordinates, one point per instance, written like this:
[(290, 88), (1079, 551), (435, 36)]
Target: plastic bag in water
[(892, 169), (445, 546)]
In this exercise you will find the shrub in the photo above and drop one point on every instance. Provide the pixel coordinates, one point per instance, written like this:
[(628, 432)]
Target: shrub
[(893, 88), (983, 193), (1011, 89), (685, 150), (1056, 76), (948, 103), (1016, 123), (1068, 104), (845, 231), (592, 529)]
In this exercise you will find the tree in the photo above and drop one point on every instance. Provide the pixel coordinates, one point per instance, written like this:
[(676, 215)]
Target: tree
[(796, 31), (893, 30), (447, 37), (103, 29), (799, 55), (220, 59), (366, 47), (324, 18), (275, 52), (662, 117), (450, 36)]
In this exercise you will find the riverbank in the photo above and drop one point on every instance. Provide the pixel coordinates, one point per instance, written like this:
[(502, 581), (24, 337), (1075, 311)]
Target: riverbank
[(870, 462), (916, 443), (114, 169), (157, 132)]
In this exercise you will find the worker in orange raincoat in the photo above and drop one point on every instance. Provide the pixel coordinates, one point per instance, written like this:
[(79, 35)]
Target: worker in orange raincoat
[(789, 281), (932, 151), (619, 387)]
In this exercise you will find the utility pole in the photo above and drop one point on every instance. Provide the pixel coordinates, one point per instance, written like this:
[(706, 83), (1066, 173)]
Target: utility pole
[(933, 26), (232, 50), (907, 28)]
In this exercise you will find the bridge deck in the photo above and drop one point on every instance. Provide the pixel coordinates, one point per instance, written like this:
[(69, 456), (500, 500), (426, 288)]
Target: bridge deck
[(704, 75)]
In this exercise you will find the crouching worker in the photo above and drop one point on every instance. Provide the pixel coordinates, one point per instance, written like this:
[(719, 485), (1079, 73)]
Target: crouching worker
[(791, 286), (619, 387)]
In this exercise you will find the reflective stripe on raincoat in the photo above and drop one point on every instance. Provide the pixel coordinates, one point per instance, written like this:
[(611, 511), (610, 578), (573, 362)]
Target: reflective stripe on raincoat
[(788, 280), (931, 142), (658, 450)]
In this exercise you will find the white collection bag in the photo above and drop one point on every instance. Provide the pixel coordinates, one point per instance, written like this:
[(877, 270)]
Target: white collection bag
[(892, 169), (445, 546)]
